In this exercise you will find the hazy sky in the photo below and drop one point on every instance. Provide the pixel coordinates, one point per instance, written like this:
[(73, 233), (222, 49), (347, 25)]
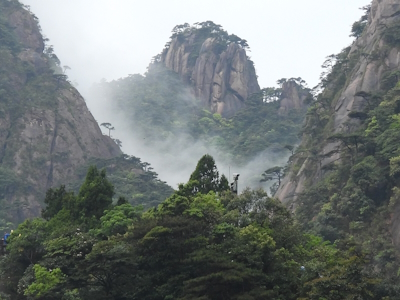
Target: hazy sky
[(113, 38)]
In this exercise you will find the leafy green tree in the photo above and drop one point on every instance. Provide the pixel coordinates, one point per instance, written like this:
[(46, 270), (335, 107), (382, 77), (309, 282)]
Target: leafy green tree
[(45, 281), (358, 27), (223, 183), (343, 278), (24, 248), (111, 269), (118, 219)]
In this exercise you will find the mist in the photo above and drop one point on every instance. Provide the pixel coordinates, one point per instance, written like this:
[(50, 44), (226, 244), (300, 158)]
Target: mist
[(112, 39), (175, 157)]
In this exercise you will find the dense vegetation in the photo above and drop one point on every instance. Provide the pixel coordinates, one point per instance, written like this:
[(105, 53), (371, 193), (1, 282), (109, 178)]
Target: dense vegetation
[(201, 243), (134, 180)]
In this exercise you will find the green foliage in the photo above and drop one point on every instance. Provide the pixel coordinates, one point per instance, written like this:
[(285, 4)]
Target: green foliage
[(56, 200), (118, 219), (95, 194), (7, 39), (45, 281), (193, 246), (358, 27), (273, 174), (356, 196), (207, 176), (391, 34), (133, 179)]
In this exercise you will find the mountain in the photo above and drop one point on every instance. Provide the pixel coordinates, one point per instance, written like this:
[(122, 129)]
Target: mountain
[(337, 238), (200, 95), (46, 129), (215, 63), (343, 181), (366, 69)]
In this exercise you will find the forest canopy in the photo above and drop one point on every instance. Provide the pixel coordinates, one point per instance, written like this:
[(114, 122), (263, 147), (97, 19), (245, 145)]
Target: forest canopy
[(203, 242)]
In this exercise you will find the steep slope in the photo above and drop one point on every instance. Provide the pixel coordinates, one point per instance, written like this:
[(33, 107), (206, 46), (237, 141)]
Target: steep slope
[(343, 182), (369, 66), (214, 63), (46, 129)]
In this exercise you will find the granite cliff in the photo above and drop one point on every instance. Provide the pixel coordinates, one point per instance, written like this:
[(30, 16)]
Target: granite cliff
[(214, 64), (46, 129), (344, 177), (293, 97), (369, 62)]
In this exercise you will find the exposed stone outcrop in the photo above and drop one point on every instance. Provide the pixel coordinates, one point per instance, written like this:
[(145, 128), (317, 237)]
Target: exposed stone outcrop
[(376, 58), (42, 140), (221, 81), (367, 75), (292, 96), (26, 30)]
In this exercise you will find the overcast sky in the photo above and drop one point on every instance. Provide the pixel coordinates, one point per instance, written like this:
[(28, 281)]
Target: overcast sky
[(113, 38)]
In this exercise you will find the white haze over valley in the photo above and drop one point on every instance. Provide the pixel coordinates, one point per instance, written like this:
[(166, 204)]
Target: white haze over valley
[(111, 39), (175, 158)]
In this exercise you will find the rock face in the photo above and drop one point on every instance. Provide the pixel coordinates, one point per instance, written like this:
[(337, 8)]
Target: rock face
[(292, 96), (46, 129), (221, 81), (367, 75)]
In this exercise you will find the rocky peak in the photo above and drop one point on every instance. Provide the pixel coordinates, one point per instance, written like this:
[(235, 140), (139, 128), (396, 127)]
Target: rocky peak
[(217, 68), (293, 96)]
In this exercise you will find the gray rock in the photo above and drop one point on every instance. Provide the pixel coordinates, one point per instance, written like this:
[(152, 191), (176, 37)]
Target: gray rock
[(221, 82), (26, 30), (292, 97), (366, 76), (51, 141)]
